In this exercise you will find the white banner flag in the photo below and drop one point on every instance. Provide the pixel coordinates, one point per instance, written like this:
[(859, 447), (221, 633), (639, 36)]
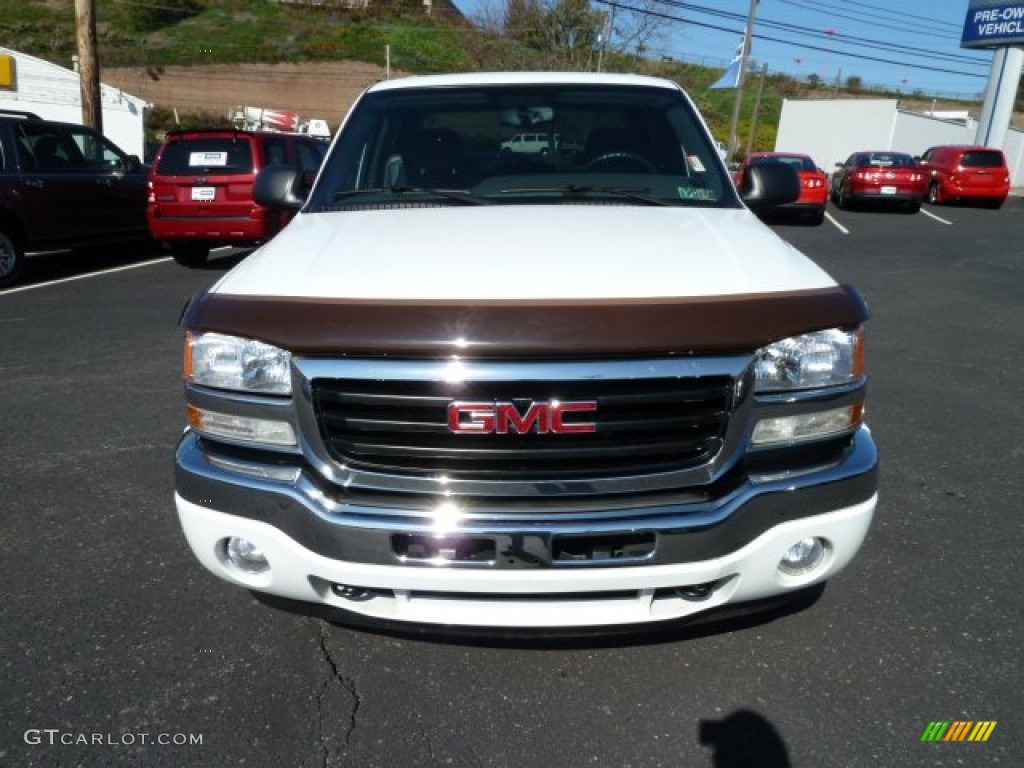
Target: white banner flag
[(731, 78)]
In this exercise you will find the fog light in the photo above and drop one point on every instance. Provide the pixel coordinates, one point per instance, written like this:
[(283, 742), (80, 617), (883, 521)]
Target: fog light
[(348, 592), (245, 428), (802, 557), (245, 555), (697, 592)]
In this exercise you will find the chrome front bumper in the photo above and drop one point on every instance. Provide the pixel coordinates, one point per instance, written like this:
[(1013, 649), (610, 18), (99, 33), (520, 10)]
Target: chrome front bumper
[(706, 549)]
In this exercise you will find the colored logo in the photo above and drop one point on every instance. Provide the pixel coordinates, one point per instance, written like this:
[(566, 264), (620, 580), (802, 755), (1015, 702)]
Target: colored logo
[(504, 418), (958, 730)]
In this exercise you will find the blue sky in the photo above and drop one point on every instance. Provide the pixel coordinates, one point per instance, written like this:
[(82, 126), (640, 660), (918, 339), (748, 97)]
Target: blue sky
[(918, 39)]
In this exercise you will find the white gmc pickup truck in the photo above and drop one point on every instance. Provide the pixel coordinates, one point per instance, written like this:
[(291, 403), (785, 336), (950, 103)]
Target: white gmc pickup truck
[(474, 388)]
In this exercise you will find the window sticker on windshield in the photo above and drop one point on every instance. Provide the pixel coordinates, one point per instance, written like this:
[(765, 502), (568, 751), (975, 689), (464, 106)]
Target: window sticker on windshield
[(696, 193), (695, 163), (208, 158)]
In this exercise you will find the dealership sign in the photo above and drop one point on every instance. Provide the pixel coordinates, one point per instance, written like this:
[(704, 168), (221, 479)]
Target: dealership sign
[(993, 23)]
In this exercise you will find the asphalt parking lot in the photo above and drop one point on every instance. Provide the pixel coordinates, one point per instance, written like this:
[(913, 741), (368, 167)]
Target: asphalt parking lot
[(119, 649)]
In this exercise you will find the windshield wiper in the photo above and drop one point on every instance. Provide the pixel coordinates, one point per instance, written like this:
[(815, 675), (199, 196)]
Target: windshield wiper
[(630, 193), (448, 194)]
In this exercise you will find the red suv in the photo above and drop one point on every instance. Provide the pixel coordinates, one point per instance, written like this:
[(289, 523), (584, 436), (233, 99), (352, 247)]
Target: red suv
[(200, 188), (966, 173)]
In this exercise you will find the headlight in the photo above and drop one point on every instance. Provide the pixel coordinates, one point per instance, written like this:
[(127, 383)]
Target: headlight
[(813, 360), (230, 362)]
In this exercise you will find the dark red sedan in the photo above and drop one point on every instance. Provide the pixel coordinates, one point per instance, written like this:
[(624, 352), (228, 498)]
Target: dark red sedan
[(891, 178), (813, 181)]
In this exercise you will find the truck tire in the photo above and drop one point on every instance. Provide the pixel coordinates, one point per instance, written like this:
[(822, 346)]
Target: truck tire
[(12, 256), (190, 254)]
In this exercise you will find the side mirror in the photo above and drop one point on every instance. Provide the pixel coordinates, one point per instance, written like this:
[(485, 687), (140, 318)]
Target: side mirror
[(281, 187), (766, 186), (132, 164)]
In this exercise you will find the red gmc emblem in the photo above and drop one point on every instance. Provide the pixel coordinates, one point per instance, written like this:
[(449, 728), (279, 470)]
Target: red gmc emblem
[(477, 418)]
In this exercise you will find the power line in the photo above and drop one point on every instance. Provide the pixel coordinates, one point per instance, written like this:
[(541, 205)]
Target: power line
[(792, 44), (902, 15), (819, 34), (834, 12)]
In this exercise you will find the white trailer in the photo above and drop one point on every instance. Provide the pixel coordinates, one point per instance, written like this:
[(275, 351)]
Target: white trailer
[(54, 93)]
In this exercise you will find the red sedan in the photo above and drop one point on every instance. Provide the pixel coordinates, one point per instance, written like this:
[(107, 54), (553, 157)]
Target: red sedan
[(887, 177), (813, 181)]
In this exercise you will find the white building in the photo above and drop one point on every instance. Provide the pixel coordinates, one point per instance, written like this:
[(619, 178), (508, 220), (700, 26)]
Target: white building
[(33, 85), (831, 130)]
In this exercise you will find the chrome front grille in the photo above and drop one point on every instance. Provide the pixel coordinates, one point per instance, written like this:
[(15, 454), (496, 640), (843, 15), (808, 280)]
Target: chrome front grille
[(644, 423)]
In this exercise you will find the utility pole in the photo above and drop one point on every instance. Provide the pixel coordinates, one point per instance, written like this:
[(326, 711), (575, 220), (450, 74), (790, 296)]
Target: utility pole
[(88, 64), (748, 37), (757, 110)]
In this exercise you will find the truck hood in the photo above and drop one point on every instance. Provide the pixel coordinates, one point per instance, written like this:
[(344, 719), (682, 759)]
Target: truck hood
[(515, 252)]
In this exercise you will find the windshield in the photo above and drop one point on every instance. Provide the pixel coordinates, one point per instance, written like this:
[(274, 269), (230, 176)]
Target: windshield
[(515, 144), (799, 162), (220, 155), (887, 160), (982, 159)]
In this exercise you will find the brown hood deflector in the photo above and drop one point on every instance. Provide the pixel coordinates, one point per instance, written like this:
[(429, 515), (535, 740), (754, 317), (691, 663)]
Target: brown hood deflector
[(503, 329)]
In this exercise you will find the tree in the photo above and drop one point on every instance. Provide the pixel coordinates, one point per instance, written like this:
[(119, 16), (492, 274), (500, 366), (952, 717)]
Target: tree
[(571, 33), (854, 84), (638, 30), (523, 21)]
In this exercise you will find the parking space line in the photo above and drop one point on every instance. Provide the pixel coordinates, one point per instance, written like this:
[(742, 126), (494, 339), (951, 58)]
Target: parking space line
[(937, 218), (83, 277), (836, 224)]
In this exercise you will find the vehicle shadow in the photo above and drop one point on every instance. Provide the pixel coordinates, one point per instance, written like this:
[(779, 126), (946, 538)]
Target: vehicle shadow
[(48, 266), (970, 203), (722, 621), (744, 739), (782, 218), (868, 206), (222, 261)]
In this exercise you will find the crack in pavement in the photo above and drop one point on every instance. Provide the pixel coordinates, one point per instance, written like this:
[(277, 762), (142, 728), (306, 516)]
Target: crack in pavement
[(430, 745), (346, 683)]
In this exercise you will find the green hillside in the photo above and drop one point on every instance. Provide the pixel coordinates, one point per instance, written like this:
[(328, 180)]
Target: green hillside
[(195, 32)]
